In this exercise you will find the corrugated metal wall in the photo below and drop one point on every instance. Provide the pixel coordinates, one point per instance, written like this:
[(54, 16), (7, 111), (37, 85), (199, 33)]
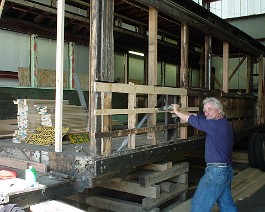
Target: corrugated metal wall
[(236, 8)]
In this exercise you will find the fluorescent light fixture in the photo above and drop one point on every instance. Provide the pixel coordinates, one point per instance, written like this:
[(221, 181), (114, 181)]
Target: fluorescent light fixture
[(137, 53)]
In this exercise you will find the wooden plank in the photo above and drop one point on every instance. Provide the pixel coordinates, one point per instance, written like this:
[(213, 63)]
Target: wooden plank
[(131, 119), (249, 80), (236, 69), (152, 70), (244, 175), (167, 186), (225, 66), (118, 205), (144, 89), (182, 178), (137, 111), (54, 206), (133, 188), (121, 133), (149, 203), (184, 82), (183, 130), (107, 124), (155, 176), (22, 164), (246, 183), (160, 166), (49, 9), (241, 157), (250, 188), (6, 136)]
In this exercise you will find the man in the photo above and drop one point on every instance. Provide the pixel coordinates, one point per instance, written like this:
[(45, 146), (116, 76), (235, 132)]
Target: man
[(215, 185)]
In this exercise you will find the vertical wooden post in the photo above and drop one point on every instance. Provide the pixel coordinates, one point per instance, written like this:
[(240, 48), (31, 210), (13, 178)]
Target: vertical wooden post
[(260, 115), (202, 68), (107, 123), (184, 104), (2, 7), (59, 76), (184, 67), (152, 69), (225, 66), (249, 83), (125, 68), (71, 68), (131, 118), (184, 78), (33, 60), (208, 61), (101, 69)]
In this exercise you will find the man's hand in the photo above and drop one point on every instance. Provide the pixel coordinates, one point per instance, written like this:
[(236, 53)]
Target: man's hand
[(176, 108)]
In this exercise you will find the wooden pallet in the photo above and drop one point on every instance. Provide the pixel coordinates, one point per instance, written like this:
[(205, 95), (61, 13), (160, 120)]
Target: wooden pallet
[(147, 188)]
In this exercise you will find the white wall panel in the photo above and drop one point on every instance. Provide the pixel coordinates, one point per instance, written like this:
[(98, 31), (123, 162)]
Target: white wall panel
[(14, 50), (47, 54), (236, 8), (81, 59), (251, 25)]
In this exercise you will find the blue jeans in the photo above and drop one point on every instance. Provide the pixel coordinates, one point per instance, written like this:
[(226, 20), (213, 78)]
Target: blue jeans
[(214, 187)]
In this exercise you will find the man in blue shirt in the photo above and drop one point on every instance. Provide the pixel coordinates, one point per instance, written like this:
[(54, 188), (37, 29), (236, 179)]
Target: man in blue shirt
[(215, 185)]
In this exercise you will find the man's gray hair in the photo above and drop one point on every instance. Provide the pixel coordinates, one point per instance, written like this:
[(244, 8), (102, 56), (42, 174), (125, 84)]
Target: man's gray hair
[(215, 102)]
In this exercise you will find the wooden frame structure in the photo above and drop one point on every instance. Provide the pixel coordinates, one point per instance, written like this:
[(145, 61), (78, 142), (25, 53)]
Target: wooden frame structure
[(99, 162), (102, 91)]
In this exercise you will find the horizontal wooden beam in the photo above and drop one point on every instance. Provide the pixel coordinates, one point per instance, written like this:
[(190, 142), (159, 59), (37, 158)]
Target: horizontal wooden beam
[(152, 191), (22, 164), (122, 133), (49, 9), (199, 18), (141, 89), (137, 111)]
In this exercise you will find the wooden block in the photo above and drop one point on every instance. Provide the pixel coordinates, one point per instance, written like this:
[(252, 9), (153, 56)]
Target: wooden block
[(118, 205), (22, 164), (182, 178), (160, 166), (154, 177), (149, 203), (166, 186), (133, 188)]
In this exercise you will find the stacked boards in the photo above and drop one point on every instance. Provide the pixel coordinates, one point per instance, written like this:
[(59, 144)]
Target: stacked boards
[(33, 113)]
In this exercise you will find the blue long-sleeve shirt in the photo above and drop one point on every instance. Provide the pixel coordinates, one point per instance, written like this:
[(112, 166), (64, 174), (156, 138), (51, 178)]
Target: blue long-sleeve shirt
[(219, 138)]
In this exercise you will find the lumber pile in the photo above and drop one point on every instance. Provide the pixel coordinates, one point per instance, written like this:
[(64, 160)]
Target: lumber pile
[(247, 183), (33, 113), (150, 188)]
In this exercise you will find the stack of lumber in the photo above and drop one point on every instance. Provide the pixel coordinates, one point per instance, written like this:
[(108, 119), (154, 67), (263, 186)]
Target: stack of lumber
[(146, 189), (38, 112), (33, 113), (247, 183)]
